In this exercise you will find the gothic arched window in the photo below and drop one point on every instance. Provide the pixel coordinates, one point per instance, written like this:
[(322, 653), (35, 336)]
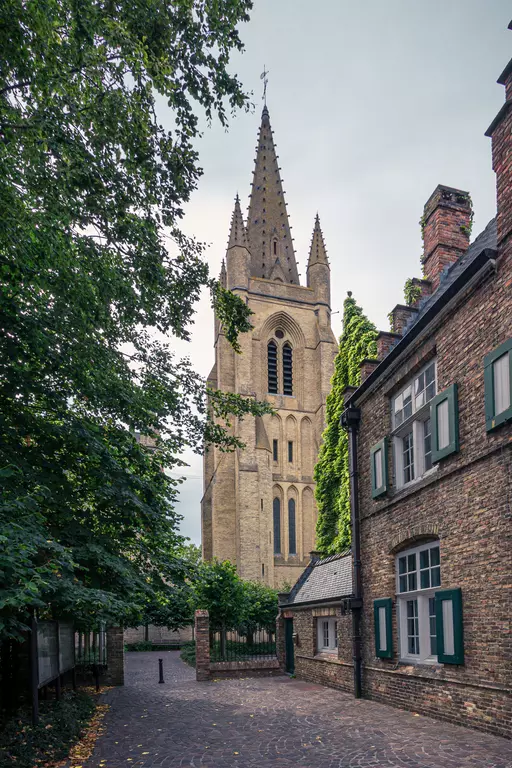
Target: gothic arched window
[(292, 537), (287, 370), (272, 366), (277, 525)]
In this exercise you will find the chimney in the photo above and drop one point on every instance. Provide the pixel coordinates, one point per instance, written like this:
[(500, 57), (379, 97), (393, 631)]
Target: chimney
[(400, 317), (385, 341), (446, 224), (500, 131), (366, 367)]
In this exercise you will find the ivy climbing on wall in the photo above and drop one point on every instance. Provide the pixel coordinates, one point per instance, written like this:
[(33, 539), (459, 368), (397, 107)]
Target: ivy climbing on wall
[(357, 342)]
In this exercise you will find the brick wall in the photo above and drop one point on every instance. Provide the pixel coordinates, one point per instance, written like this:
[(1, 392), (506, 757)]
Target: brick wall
[(334, 670), (202, 634)]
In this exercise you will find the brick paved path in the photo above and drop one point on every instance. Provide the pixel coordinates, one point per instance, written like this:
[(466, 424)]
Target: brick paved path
[(279, 722)]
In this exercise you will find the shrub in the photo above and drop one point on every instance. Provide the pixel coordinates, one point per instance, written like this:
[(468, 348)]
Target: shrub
[(188, 653), (60, 725)]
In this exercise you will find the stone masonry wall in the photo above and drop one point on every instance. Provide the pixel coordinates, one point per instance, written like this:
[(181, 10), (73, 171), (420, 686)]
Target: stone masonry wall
[(115, 656), (159, 635)]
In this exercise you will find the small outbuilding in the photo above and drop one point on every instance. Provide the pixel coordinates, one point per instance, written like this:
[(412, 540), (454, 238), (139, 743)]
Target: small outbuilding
[(314, 626)]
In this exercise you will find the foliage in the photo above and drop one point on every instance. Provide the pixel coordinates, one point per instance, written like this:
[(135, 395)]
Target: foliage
[(232, 602), (262, 607), (140, 645), (412, 292), (218, 589), (188, 653), (191, 553), (60, 725), (95, 276), (357, 342)]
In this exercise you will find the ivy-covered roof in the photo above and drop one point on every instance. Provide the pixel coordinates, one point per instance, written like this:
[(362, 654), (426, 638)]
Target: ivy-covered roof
[(323, 580)]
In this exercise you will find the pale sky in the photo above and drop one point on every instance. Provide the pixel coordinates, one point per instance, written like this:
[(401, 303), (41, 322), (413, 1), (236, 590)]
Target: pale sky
[(372, 104)]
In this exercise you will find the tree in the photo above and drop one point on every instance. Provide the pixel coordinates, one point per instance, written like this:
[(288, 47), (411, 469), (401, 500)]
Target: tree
[(357, 342), (218, 589), (95, 275), (262, 607)]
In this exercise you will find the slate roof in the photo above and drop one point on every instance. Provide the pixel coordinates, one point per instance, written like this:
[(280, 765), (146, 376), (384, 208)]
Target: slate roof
[(326, 579)]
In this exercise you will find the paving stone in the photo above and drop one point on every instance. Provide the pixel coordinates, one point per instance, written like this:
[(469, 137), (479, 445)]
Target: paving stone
[(275, 721)]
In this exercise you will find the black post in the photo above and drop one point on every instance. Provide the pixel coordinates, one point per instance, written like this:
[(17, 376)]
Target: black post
[(34, 671), (350, 420), (161, 670)]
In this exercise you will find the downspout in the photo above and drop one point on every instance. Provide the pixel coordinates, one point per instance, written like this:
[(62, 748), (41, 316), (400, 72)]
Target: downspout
[(350, 419)]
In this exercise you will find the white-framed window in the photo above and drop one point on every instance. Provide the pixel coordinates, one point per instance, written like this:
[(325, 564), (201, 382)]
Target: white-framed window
[(412, 433), (327, 634), (418, 576)]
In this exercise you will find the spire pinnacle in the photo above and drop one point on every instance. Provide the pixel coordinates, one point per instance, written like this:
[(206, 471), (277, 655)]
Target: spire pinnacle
[(317, 251), (268, 227), (237, 235), (223, 278)]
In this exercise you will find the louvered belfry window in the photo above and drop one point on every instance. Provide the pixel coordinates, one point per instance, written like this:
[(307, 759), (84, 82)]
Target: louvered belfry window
[(287, 370), (272, 366)]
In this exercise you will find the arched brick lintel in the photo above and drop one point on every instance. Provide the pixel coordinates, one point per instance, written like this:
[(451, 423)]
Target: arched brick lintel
[(409, 536)]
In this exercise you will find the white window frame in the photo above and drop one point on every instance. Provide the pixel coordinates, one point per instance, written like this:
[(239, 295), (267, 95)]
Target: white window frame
[(415, 424), (422, 596), (332, 632)]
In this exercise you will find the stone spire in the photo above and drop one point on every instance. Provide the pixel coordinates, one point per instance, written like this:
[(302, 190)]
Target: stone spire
[(223, 275), (317, 252), (268, 228), (237, 235)]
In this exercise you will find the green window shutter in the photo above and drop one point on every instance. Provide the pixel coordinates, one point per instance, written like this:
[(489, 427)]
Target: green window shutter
[(493, 419), (450, 638), (383, 626), (379, 468), (444, 412)]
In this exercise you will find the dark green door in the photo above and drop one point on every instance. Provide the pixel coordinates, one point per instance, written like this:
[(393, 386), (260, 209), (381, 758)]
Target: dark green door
[(288, 644)]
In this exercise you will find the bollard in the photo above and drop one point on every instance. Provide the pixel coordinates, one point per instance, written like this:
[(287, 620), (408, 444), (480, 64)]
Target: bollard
[(161, 670)]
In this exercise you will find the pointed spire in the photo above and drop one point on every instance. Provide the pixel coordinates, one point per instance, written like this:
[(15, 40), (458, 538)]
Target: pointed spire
[(223, 277), (237, 234), (268, 228), (317, 252)]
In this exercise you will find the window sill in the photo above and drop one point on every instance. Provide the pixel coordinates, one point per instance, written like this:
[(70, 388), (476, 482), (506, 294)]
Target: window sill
[(413, 483), (326, 655)]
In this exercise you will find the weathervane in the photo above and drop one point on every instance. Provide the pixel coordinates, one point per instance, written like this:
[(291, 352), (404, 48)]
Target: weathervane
[(263, 77)]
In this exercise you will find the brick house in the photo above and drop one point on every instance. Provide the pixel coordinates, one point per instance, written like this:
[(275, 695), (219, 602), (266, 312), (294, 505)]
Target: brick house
[(430, 436), (314, 627)]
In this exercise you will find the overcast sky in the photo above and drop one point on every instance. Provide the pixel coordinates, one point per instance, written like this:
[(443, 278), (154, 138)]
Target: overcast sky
[(372, 104)]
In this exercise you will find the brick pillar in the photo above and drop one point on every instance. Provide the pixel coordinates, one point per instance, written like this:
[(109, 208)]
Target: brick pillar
[(280, 647), (202, 633), (115, 656)]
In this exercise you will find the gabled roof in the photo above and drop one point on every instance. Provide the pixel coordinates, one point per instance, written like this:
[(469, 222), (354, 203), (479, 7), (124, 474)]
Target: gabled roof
[(323, 580)]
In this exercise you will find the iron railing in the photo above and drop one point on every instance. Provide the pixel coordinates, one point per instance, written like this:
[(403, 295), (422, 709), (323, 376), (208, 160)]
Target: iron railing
[(242, 645)]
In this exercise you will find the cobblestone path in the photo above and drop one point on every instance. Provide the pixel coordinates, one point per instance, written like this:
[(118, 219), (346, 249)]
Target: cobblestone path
[(279, 722)]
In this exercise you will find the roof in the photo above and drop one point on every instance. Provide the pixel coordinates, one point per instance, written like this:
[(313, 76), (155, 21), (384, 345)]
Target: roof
[(452, 280), (323, 580)]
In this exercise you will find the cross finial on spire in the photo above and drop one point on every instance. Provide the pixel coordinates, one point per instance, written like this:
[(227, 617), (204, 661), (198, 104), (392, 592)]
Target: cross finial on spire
[(264, 77)]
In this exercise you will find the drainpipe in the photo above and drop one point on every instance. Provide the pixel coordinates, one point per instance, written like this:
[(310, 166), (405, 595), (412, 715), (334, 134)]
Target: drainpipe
[(350, 419)]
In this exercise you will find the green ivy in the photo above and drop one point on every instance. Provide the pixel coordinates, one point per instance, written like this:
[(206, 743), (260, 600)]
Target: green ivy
[(357, 342), (411, 292)]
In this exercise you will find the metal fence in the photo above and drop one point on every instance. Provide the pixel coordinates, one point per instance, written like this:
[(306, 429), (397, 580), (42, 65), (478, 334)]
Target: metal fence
[(91, 648), (242, 645)]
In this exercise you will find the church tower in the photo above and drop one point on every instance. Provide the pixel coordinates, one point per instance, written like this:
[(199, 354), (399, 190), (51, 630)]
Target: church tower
[(258, 509)]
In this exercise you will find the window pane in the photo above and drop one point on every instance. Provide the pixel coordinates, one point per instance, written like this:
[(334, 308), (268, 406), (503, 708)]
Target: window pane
[(292, 538), (501, 384), (277, 525), (326, 634), (275, 450), (402, 565), (411, 562), (413, 635), (408, 457), (290, 452), (403, 583), (427, 444), (430, 392), (435, 576), (434, 556), (424, 562), (432, 626), (399, 417), (425, 579), (377, 458), (430, 374), (419, 384), (443, 427), (335, 634), (412, 582)]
